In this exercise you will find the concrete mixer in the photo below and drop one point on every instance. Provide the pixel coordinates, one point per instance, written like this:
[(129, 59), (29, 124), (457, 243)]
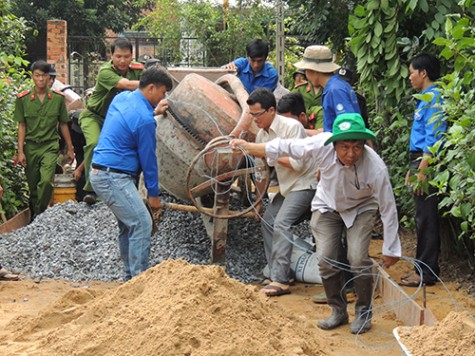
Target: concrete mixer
[(195, 161)]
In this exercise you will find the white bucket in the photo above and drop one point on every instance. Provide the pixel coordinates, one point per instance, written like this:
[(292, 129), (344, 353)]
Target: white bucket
[(304, 264)]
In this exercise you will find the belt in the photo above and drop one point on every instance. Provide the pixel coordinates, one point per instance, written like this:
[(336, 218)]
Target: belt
[(95, 112), (415, 155), (109, 169)]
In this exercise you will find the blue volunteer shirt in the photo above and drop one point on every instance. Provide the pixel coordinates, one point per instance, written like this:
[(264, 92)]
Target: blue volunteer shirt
[(338, 97), (127, 141), (266, 78), (429, 123)]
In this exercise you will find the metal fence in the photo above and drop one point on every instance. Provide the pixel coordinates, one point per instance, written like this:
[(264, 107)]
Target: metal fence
[(87, 54)]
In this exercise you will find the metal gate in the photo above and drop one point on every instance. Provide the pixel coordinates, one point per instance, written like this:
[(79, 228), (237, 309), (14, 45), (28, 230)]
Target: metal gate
[(86, 55)]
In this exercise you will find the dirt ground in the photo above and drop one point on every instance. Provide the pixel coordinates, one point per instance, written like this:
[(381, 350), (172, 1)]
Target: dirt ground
[(23, 301)]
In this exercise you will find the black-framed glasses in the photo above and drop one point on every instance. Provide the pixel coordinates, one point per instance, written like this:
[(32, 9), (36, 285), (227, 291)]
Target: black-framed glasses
[(256, 114)]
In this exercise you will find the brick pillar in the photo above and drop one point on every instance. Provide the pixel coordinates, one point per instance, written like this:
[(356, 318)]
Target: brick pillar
[(56, 47)]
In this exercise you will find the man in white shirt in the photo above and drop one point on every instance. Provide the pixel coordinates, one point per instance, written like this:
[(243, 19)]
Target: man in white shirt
[(297, 183), (354, 184)]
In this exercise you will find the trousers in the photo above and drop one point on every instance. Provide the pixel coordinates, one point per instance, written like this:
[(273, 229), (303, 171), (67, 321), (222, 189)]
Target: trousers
[(276, 227), (119, 192)]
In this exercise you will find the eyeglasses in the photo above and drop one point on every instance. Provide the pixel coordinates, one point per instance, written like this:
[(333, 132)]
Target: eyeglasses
[(256, 114)]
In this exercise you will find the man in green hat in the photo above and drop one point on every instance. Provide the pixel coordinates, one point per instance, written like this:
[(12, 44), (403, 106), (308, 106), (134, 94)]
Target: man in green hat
[(39, 112), (117, 75), (354, 184)]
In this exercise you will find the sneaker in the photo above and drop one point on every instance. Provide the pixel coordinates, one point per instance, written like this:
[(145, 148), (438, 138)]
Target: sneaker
[(90, 199)]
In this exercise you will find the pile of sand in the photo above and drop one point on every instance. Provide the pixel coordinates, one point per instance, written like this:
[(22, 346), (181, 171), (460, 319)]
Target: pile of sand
[(172, 309), (454, 335)]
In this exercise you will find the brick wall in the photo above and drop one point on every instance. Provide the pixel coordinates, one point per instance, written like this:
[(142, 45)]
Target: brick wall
[(56, 47)]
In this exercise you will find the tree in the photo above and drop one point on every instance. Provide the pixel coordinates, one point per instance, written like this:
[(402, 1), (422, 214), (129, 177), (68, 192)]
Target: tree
[(321, 21), (223, 34), (383, 41), (12, 50), (84, 17)]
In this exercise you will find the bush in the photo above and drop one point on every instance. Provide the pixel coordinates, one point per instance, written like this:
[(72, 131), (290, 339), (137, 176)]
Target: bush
[(12, 74)]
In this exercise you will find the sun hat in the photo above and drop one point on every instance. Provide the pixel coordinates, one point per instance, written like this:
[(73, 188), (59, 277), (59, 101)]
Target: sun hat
[(318, 58), (350, 127)]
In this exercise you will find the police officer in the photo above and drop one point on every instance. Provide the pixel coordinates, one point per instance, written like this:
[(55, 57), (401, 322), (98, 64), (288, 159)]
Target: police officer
[(38, 112), (313, 100), (114, 76)]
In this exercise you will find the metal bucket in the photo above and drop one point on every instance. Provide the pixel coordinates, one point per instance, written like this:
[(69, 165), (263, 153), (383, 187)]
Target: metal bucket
[(64, 188)]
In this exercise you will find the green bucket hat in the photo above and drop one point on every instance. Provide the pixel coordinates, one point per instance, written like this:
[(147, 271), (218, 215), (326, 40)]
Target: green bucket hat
[(350, 127)]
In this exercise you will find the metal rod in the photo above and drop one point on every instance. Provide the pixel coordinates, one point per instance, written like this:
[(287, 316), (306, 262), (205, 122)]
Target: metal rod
[(194, 209)]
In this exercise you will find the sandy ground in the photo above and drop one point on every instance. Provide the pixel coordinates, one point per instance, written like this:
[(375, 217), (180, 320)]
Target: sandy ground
[(25, 299)]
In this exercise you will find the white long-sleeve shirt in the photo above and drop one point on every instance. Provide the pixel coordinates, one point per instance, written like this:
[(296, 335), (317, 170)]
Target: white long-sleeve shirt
[(302, 174), (344, 189)]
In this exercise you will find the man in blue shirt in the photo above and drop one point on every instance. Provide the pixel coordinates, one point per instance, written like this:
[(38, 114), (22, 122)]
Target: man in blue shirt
[(126, 146), (338, 97), (254, 71), (427, 131)]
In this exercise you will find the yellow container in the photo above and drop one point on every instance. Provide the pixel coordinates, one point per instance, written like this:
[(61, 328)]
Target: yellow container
[(64, 188)]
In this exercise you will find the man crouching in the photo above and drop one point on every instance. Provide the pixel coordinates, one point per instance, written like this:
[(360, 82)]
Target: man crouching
[(354, 183)]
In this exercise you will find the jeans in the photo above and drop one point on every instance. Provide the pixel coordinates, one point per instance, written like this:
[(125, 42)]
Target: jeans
[(119, 192)]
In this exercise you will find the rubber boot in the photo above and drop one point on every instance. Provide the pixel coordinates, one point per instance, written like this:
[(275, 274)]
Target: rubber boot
[(364, 293), (337, 301)]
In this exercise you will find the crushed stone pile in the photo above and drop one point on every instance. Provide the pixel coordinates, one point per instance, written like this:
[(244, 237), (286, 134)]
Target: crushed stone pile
[(454, 335), (77, 242), (174, 308)]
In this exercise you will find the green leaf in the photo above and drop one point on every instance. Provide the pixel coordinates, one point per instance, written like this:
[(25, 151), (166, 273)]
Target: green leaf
[(378, 29), (424, 5), (448, 25), (440, 41), (372, 5)]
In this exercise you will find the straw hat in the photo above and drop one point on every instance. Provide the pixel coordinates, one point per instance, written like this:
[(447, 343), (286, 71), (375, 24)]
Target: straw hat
[(318, 58), (350, 126)]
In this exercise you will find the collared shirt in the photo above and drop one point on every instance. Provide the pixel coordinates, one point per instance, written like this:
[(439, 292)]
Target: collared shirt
[(41, 117), (338, 98), (302, 174), (127, 141), (346, 190), (266, 78), (429, 123), (105, 88), (313, 102)]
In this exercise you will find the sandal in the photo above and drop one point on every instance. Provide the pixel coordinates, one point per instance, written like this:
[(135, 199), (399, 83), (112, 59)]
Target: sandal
[(414, 280), (7, 276), (274, 291)]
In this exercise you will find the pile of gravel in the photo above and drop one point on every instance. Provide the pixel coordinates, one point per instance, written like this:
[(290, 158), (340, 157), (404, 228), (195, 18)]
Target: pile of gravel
[(77, 242)]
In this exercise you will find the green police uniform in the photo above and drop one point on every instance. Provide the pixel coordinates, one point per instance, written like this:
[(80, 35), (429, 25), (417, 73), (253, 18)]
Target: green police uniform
[(41, 145), (92, 118), (313, 104)]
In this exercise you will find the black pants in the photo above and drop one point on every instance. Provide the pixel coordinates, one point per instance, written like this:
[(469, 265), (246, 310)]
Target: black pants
[(427, 230)]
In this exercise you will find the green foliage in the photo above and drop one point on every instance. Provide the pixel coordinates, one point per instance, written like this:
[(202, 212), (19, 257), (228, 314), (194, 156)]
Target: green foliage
[(85, 18), (320, 21), (457, 182), (12, 176), (223, 35), (385, 35)]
